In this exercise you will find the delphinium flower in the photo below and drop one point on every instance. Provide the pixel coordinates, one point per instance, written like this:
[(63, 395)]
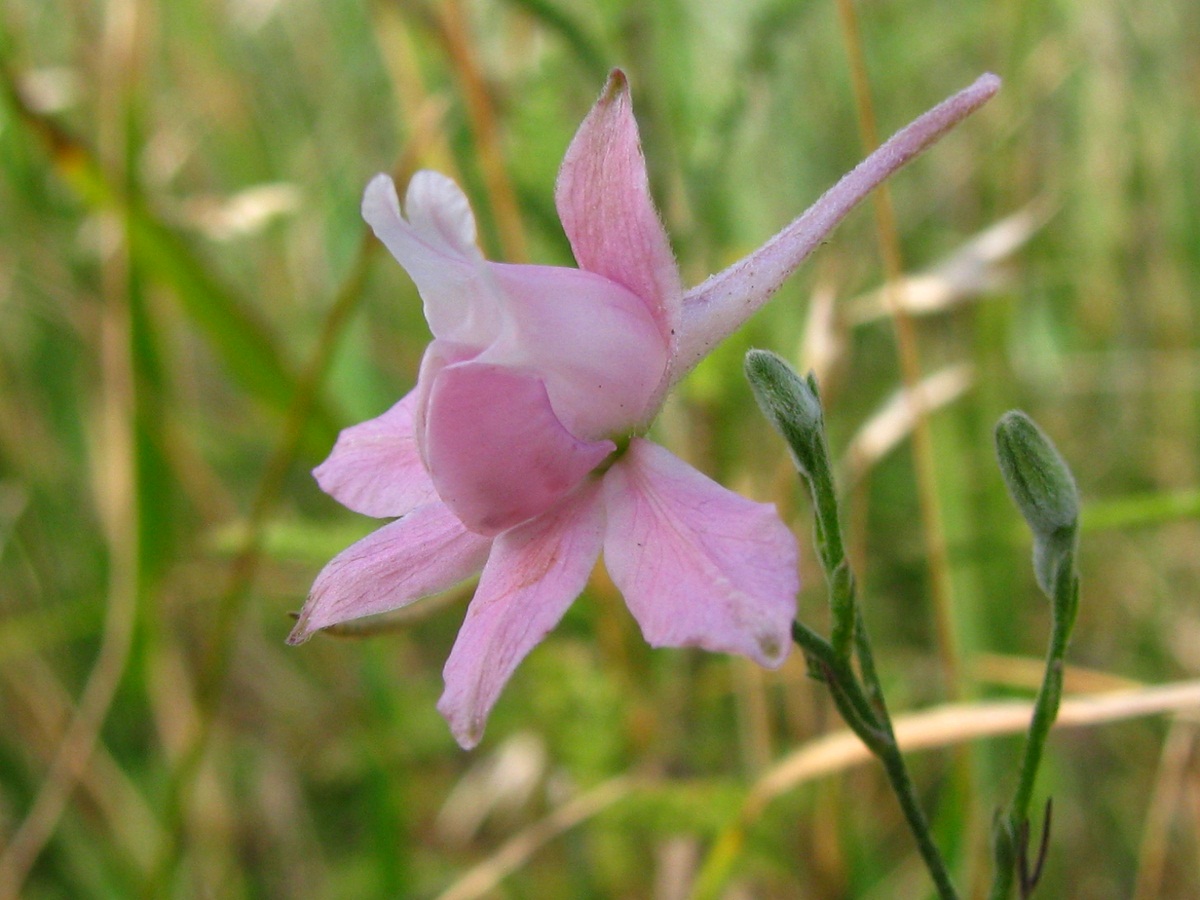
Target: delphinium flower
[(521, 453)]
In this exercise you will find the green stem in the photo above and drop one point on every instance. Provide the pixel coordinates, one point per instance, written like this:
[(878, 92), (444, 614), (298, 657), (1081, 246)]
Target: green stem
[(829, 542), (897, 773), (851, 702), (870, 721), (870, 675), (1012, 825), (794, 407)]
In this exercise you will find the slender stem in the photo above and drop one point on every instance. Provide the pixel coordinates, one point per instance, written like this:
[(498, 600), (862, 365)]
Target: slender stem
[(848, 700), (852, 703), (870, 675), (871, 723), (818, 476), (1045, 711), (1014, 823), (864, 700), (794, 406), (897, 772)]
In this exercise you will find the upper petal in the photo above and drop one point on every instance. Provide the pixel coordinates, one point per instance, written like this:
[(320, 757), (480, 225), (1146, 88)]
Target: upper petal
[(595, 345), (375, 468), (531, 577), (423, 553), (436, 246), (698, 565), (604, 202), (495, 450), (715, 309)]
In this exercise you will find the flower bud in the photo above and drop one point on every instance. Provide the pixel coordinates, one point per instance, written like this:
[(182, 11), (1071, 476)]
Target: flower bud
[(1042, 487), (791, 404)]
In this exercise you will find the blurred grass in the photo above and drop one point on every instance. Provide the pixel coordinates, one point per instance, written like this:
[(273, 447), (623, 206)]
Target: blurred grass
[(181, 243)]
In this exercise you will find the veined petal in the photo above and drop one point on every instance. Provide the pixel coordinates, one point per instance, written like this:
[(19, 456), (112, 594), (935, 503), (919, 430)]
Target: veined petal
[(715, 309), (604, 202), (699, 566), (534, 573), (436, 246), (595, 345), (427, 551), (375, 468), (495, 450)]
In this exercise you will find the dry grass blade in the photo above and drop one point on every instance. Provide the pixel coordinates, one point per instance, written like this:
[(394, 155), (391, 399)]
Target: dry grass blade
[(485, 876), (957, 723), (497, 786), (970, 271), (823, 347), (1170, 787), (898, 417)]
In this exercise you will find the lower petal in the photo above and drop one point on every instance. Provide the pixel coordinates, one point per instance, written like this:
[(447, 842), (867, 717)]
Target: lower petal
[(698, 564), (532, 576), (375, 469), (496, 452), (427, 551)]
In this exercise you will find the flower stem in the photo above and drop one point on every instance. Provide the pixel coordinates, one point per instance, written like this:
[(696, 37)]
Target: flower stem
[(1012, 828), (866, 715), (1042, 487), (793, 406)]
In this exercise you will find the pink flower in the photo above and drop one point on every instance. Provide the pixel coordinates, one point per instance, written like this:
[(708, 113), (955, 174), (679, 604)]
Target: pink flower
[(520, 453)]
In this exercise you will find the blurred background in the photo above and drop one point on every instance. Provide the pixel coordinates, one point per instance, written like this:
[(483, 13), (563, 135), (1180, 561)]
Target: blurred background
[(190, 309)]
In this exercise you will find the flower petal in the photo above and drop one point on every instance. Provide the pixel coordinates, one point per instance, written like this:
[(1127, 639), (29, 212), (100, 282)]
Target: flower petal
[(595, 345), (427, 551), (715, 309), (604, 202), (495, 450), (438, 355), (534, 573), (375, 469), (436, 246), (698, 564)]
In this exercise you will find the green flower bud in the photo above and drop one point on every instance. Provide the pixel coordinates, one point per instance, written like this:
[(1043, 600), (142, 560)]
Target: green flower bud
[(1042, 487), (792, 406)]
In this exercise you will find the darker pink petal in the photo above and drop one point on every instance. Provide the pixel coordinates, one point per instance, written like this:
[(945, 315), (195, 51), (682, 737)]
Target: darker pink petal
[(604, 201), (495, 450), (375, 468), (699, 565), (425, 552), (534, 573)]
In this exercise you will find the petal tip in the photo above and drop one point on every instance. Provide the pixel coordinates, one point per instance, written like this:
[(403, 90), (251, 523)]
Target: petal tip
[(469, 737), (300, 633), (773, 652), (617, 83), (466, 727), (379, 188)]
